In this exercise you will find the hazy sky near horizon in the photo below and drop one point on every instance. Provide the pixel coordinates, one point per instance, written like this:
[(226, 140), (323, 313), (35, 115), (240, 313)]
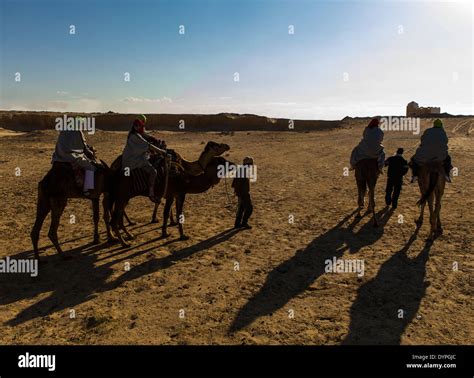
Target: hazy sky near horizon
[(344, 58)]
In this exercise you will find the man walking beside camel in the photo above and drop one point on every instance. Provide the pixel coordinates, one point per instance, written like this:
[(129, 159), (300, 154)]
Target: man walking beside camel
[(241, 187), (397, 168)]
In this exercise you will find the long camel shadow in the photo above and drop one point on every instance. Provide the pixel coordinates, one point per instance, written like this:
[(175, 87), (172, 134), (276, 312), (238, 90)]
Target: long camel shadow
[(154, 265), (69, 283), (103, 234), (388, 303), (80, 279), (295, 275)]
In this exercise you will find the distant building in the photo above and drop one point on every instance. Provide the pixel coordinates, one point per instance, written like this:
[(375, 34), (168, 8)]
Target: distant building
[(413, 110)]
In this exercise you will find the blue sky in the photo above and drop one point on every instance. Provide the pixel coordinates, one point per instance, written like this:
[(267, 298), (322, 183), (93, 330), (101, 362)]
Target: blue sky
[(344, 58)]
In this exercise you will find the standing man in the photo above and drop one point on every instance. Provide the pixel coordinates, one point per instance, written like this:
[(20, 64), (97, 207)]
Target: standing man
[(241, 187), (397, 168)]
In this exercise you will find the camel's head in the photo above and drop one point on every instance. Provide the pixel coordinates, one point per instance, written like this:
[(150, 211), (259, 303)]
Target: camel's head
[(216, 149)]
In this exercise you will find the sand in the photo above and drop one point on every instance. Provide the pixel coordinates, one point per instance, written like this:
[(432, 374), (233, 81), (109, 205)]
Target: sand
[(267, 285)]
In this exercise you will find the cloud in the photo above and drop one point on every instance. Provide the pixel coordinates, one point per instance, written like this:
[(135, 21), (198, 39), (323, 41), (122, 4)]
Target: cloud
[(281, 103), (147, 100), (57, 105)]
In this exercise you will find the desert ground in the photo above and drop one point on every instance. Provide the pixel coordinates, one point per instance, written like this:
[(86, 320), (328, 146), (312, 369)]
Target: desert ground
[(266, 285)]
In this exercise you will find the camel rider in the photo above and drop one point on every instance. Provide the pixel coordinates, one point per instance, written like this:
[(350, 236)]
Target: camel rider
[(71, 147), (136, 152), (139, 123), (370, 146), (433, 148)]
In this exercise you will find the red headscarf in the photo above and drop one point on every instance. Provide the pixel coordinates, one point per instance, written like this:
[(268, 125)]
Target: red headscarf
[(139, 125), (373, 123)]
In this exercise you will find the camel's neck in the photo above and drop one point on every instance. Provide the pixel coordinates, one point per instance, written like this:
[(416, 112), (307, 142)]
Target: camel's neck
[(191, 167), (203, 182), (196, 167)]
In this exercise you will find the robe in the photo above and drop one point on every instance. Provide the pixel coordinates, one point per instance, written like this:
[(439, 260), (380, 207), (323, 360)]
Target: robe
[(433, 146), (370, 147), (135, 154), (70, 149)]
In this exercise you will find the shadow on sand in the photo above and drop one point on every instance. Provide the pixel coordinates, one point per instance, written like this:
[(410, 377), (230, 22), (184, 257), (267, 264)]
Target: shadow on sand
[(295, 275), (154, 265), (399, 285), (72, 282), (66, 284)]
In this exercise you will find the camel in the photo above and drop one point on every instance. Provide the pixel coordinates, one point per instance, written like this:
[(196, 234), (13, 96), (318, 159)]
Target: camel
[(178, 188), (154, 218), (122, 193), (431, 181), (54, 189), (366, 174)]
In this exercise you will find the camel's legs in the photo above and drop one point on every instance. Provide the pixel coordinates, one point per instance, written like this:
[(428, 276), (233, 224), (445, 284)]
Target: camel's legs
[(105, 206), (439, 229), (360, 201), (96, 217), (166, 212), (361, 190), (155, 211), (128, 234), (433, 219), (439, 195), (372, 204), (173, 222), (419, 221), (130, 223), (117, 220), (42, 210), (57, 208), (438, 212), (155, 220), (179, 214)]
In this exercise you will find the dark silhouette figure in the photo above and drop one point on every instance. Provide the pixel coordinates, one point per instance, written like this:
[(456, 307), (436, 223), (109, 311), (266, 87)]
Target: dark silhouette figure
[(397, 168), (241, 187)]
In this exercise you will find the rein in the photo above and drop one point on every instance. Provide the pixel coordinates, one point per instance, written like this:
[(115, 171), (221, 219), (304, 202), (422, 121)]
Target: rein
[(167, 169), (230, 204)]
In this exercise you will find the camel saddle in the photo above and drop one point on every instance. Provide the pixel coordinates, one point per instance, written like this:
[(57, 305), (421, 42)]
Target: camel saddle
[(75, 169)]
